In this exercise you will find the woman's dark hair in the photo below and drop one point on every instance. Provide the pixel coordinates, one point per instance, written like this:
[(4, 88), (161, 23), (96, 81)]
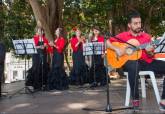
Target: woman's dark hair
[(132, 14)]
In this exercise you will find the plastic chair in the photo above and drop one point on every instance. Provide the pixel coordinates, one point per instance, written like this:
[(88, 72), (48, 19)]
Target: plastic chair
[(142, 75)]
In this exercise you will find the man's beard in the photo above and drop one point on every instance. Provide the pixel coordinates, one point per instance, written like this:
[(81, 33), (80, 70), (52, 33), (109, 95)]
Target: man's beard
[(136, 31)]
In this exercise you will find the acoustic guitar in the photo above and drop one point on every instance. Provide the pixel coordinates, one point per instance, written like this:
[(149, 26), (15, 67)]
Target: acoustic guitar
[(130, 52)]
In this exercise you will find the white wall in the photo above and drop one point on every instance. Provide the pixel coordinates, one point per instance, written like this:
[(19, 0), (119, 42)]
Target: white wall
[(15, 68)]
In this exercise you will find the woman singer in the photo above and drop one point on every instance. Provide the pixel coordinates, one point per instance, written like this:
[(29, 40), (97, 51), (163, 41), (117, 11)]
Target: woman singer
[(57, 77), (37, 74), (79, 73)]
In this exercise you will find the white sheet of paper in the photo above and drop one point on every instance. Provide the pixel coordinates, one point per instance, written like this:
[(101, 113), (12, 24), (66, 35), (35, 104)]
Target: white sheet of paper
[(161, 47), (93, 48), (29, 46)]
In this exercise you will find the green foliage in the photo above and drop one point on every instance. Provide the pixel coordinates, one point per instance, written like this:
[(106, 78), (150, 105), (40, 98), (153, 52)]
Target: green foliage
[(2, 22), (19, 23), (86, 13), (17, 20), (157, 16)]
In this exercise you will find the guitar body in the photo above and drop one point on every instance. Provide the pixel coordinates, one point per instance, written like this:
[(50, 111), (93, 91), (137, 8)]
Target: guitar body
[(118, 61)]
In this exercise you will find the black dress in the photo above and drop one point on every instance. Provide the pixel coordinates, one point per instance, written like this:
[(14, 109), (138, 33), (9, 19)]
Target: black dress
[(38, 73), (57, 76), (2, 62), (80, 73)]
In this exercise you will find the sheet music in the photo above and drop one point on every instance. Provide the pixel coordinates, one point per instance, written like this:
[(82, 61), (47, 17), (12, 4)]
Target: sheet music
[(93, 48), (162, 38), (25, 45), (161, 47), (88, 49)]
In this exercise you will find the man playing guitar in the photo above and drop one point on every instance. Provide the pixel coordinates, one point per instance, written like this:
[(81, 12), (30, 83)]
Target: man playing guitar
[(143, 60)]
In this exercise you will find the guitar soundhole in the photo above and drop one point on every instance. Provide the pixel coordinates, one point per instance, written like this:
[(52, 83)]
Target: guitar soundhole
[(129, 51)]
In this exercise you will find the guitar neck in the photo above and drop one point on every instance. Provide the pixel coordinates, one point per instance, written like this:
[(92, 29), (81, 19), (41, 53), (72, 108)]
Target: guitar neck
[(143, 46)]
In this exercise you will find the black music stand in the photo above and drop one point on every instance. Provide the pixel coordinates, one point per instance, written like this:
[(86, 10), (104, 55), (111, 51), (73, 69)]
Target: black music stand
[(92, 49), (24, 47)]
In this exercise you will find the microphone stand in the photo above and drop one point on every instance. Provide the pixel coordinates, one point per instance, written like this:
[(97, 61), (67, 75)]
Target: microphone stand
[(42, 62), (136, 48), (108, 106)]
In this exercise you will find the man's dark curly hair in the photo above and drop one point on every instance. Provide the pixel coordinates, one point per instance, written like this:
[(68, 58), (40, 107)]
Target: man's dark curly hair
[(132, 14)]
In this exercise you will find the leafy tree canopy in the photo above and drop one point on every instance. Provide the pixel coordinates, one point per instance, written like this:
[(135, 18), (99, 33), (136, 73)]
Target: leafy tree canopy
[(17, 20)]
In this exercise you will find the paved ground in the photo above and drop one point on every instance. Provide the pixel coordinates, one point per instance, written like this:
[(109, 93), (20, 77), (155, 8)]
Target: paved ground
[(73, 101)]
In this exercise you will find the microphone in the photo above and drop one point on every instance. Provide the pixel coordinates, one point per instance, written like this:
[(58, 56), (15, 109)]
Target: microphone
[(107, 35), (141, 30), (42, 31), (90, 34)]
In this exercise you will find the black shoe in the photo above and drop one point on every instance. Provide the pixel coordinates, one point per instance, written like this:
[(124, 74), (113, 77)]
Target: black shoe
[(36, 89), (94, 84), (46, 88), (103, 84), (66, 88)]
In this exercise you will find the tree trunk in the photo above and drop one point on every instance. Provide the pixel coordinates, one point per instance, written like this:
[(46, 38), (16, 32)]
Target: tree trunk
[(49, 14)]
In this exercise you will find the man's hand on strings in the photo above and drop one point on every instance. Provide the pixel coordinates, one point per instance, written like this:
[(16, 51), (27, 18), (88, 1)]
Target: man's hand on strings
[(150, 50)]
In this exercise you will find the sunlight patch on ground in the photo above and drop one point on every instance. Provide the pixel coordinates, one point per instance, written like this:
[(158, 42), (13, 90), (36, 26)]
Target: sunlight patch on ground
[(76, 105), (56, 93), (19, 106), (118, 84), (91, 93)]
